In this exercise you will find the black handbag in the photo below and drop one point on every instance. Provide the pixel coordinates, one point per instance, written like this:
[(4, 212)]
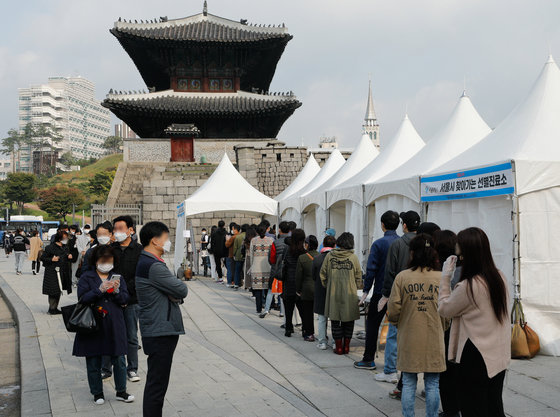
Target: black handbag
[(80, 318)]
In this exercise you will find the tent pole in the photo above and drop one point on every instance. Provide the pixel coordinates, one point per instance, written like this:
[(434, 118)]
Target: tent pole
[(515, 241)]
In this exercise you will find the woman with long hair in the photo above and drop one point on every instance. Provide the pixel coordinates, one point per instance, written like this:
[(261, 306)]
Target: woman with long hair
[(295, 249), (341, 275), (413, 308), (250, 234), (305, 287), (259, 249), (480, 339)]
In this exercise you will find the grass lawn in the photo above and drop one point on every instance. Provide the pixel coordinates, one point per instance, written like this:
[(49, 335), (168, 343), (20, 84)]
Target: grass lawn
[(109, 163)]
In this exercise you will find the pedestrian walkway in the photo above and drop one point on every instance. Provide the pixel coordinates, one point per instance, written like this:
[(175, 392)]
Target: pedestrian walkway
[(232, 363)]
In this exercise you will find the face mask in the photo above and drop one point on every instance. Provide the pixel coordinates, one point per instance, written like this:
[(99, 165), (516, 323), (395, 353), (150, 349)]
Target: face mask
[(64, 241), (104, 268), (167, 246), (86, 231), (120, 236), (103, 240)]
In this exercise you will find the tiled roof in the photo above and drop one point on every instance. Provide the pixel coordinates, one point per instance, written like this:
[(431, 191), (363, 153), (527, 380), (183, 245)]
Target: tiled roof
[(199, 28), (178, 103)]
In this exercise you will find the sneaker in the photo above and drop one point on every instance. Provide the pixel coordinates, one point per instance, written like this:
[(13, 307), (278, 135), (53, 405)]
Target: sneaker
[(298, 325), (54, 312), (229, 285), (236, 288), (390, 378), (125, 396), (280, 315), (106, 375), (369, 365), (133, 376), (310, 338), (322, 346), (263, 315), (99, 399), (34, 273), (395, 394), (220, 281)]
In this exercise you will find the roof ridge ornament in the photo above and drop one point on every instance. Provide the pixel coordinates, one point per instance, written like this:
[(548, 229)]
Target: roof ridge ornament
[(205, 8)]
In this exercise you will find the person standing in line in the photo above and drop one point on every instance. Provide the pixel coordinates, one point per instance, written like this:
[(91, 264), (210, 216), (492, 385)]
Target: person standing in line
[(103, 235), (375, 273), (398, 257), (238, 256), (329, 232), (305, 287), (320, 293), (56, 258), (218, 240), (127, 252), (19, 244), (7, 244), (159, 294), (204, 239), (102, 288), (480, 339), (259, 250), (341, 275), (35, 249), (234, 229), (213, 273), (295, 248), (413, 309), (250, 234), (275, 259)]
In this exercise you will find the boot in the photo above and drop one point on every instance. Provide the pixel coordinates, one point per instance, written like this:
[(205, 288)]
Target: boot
[(347, 346), (339, 349)]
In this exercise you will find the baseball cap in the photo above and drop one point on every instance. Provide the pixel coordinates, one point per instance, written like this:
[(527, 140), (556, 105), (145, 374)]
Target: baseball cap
[(411, 219), (330, 232)]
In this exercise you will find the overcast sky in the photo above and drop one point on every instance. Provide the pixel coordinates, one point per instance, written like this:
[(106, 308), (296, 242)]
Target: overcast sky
[(418, 53)]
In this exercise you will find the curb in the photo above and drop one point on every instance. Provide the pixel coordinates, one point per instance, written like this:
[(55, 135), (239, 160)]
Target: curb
[(34, 391)]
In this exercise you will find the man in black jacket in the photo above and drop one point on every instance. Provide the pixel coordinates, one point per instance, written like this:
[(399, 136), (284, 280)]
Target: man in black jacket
[(128, 251), (19, 243), (218, 245)]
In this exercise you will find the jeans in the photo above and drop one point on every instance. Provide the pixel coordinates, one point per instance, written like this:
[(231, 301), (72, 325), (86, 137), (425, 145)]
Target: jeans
[(160, 358), (20, 258), (229, 267), (238, 273), (268, 303), (131, 321), (206, 264), (374, 319), (479, 395), (259, 295), (322, 328), (93, 364), (391, 351), (431, 384)]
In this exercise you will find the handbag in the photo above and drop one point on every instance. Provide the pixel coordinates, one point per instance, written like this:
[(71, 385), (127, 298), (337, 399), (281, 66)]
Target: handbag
[(80, 318), (277, 286), (525, 342)]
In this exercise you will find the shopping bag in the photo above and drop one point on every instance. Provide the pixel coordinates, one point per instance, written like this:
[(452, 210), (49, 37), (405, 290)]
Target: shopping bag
[(276, 286)]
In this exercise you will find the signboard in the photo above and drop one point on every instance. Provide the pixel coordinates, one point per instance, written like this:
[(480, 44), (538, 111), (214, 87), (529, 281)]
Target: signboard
[(475, 183), (181, 209), (186, 234)]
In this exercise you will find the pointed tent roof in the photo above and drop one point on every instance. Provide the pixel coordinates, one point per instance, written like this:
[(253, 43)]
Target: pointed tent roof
[(400, 149), (307, 173), (227, 190), (370, 111), (529, 134), (464, 129), (333, 164), (362, 155)]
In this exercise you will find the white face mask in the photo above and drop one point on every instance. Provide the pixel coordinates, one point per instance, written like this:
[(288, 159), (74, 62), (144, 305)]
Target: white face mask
[(103, 240), (120, 236), (167, 246), (64, 241), (104, 268)]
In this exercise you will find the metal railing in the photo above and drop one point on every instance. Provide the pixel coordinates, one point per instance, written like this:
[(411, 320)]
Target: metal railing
[(101, 212)]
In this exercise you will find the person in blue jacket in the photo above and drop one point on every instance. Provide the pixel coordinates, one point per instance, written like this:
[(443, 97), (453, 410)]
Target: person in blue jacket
[(108, 295), (374, 277)]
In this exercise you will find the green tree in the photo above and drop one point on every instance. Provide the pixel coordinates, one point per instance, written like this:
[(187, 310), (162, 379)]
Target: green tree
[(100, 184), (19, 188), (60, 200), (113, 144), (11, 145), (68, 159)]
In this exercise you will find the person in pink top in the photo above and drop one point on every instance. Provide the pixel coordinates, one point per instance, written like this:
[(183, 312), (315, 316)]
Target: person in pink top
[(480, 339)]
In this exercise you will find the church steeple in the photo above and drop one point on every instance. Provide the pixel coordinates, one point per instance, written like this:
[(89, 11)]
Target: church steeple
[(370, 126)]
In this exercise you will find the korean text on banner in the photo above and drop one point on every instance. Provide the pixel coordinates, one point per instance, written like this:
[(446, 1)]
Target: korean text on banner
[(475, 183)]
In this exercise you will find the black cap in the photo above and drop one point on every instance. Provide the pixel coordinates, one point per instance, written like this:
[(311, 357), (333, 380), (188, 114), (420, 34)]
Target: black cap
[(411, 219)]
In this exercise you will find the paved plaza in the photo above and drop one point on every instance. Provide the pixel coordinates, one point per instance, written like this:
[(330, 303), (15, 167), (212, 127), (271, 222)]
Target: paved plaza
[(232, 363)]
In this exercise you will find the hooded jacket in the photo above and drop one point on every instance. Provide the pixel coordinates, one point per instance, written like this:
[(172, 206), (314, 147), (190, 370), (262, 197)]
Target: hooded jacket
[(397, 261), (341, 275)]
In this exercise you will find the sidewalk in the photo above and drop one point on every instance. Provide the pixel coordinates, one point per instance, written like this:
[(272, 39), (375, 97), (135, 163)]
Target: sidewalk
[(232, 363)]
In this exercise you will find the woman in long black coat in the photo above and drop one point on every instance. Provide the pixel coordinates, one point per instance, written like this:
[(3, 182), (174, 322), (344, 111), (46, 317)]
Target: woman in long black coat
[(58, 255), (107, 293), (294, 250)]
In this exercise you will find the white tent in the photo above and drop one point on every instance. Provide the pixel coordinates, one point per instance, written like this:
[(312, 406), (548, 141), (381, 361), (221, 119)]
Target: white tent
[(225, 190), (311, 220), (309, 171), (517, 169), (400, 189)]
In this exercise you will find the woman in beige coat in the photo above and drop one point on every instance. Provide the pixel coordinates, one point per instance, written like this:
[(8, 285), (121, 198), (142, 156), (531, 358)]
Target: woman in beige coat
[(35, 247), (480, 339), (413, 308)]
